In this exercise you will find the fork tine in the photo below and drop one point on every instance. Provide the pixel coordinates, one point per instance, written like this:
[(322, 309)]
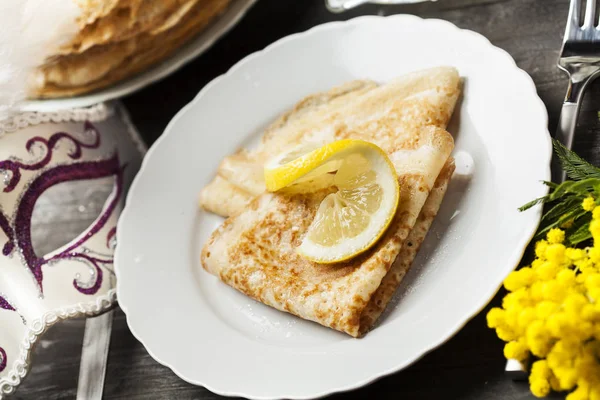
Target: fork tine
[(573, 20), (590, 14)]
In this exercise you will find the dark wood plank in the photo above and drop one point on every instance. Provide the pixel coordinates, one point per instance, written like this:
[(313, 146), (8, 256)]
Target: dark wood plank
[(469, 366)]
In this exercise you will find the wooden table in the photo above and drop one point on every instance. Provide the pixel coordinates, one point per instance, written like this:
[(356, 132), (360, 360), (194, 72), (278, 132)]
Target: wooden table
[(469, 366)]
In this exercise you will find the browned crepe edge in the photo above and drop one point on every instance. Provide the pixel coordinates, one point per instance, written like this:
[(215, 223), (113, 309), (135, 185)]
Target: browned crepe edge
[(404, 261)]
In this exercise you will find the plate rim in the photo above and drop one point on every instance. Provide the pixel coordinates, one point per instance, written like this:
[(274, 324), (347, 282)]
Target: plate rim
[(155, 73), (479, 305)]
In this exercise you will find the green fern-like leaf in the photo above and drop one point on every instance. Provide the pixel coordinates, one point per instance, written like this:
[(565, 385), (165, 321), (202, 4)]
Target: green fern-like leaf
[(581, 188), (575, 167), (527, 206), (572, 215), (561, 209), (580, 231), (564, 202)]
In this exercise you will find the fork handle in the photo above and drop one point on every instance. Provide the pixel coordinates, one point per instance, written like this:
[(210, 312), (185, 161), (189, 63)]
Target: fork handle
[(564, 134), (566, 123)]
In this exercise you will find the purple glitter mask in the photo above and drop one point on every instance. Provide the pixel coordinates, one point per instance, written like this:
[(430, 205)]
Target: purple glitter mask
[(38, 152)]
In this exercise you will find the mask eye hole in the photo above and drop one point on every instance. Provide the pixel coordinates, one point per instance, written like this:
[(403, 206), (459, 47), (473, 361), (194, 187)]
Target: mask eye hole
[(65, 210)]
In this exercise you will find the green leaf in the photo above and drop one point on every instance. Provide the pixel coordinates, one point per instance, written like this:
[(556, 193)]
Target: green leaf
[(560, 209), (581, 232), (564, 202), (532, 203), (583, 188), (560, 190), (558, 223), (575, 167)]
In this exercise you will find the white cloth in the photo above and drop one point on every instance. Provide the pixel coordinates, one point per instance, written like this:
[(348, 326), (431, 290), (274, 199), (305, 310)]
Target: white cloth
[(30, 30)]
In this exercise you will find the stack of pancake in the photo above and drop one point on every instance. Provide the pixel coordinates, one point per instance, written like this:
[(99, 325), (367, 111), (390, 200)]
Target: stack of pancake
[(254, 251), (119, 38)]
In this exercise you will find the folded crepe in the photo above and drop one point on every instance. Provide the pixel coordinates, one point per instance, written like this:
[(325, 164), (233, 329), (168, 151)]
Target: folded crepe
[(92, 10), (120, 38), (254, 250)]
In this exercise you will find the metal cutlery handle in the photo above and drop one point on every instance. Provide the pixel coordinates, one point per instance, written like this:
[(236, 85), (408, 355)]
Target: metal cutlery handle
[(338, 6), (566, 123), (564, 134)]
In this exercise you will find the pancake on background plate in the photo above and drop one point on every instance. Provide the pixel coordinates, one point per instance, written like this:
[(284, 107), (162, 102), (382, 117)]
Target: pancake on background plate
[(119, 38), (254, 251)]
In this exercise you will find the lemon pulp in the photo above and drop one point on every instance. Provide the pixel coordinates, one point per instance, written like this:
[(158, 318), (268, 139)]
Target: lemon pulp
[(364, 198)]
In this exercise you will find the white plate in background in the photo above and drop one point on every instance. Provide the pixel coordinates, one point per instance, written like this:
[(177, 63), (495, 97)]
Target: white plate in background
[(196, 46)]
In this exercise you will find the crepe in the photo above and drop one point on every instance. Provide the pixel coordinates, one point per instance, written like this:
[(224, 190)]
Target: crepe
[(254, 250), (92, 10), (423, 98), (404, 260), (125, 37), (125, 20)]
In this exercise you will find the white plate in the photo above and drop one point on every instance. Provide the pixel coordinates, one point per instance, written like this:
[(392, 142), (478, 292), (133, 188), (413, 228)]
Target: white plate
[(186, 53), (211, 335)]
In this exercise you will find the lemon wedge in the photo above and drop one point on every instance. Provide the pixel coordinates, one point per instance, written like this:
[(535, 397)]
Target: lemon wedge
[(364, 198)]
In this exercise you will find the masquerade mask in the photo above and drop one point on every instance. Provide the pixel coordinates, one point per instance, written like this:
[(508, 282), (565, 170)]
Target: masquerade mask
[(68, 154)]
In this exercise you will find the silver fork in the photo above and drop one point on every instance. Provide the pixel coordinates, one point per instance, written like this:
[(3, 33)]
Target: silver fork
[(580, 59)]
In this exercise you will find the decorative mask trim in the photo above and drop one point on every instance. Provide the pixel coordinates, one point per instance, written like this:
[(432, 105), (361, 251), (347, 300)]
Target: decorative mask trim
[(99, 112)]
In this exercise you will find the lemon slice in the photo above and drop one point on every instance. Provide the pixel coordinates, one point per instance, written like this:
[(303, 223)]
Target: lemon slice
[(364, 198)]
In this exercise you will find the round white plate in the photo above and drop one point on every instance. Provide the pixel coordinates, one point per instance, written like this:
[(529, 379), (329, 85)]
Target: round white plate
[(235, 11), (211, 335)]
